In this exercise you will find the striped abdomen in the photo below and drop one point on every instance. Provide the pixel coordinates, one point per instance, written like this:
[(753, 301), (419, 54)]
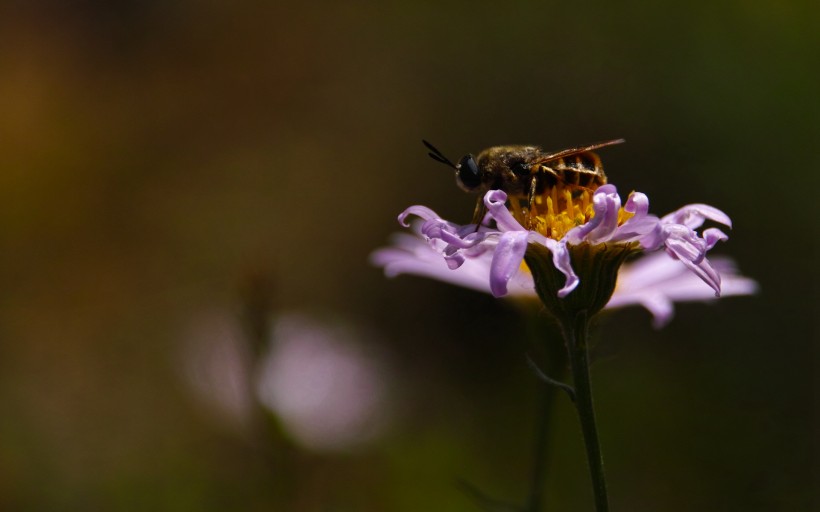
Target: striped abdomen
[(582, 170)]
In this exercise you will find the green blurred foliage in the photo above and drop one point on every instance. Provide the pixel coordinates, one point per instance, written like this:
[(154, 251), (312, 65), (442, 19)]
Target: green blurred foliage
[(153, 155)]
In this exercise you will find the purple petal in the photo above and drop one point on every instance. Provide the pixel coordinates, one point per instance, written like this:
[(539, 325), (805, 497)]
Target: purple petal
[(659, 273), (693, 216), (641, 225), (607, 189), (653, 239), (684, 243), (496, 203), (646, 230), (419, 211), (454, 260), (410, 254), (704, 270), (507, 260), (450, 234), (606, 204), (713, 236), (656, 280), (661, 308), (561, 260), (637, 203)]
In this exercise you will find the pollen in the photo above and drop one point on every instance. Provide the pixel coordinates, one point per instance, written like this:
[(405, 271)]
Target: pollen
[(558, 210)]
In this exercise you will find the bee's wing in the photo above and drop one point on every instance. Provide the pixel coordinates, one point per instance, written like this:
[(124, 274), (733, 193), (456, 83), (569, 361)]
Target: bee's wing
[(574, 151)]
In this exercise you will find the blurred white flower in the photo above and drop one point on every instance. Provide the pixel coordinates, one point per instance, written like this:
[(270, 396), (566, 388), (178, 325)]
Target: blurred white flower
[(327, 389)]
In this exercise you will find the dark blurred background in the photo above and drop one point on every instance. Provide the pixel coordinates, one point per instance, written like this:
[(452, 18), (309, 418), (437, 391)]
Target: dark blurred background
[(180, 175)]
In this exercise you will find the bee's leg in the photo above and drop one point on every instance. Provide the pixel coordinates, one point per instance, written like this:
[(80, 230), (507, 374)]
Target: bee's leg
[(479, 213), (531, 213)]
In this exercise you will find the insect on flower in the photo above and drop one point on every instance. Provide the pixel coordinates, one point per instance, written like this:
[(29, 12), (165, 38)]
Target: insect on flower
[(527, 173), (548, 225), (546, 232)]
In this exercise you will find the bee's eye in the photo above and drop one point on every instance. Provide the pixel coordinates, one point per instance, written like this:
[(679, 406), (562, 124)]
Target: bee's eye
[(468, 174)]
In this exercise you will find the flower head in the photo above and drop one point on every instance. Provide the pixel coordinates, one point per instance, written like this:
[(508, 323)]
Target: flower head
[(568, 249)]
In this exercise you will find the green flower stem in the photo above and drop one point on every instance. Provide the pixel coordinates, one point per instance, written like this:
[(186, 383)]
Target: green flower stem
[(576, 336), (597, 269), (552, 354)]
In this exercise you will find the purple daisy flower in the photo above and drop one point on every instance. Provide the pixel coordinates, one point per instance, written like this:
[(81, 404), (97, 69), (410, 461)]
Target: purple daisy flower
[(567, 245), (490, 257)]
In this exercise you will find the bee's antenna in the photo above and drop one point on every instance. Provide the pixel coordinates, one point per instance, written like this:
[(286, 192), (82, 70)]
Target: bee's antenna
[(436, 155)]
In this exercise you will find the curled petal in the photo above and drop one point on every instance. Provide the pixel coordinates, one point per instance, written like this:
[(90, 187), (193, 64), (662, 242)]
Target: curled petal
[(419, 211), (496, 203), (507, 260), (450, 234), (645, 230), (693, 216), (605, 203), (705, 271), (637, 203), (713, 236), (454, 260), (640, 224), (561, 260), (653, 239), (683, 243), (411, 254)]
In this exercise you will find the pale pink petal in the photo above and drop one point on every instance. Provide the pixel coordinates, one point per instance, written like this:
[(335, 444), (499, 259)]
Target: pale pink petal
[(655, 281), (410, 254)]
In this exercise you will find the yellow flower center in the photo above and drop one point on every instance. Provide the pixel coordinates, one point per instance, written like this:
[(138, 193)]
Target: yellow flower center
[(558, 210)]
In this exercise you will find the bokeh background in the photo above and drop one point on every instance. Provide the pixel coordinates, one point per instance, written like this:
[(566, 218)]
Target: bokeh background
[(185, 185)]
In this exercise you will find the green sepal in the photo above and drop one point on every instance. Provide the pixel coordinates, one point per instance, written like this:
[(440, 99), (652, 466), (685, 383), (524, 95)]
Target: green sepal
[(597, 268)]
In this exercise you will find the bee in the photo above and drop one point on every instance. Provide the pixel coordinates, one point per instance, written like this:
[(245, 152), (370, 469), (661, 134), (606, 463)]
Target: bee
[(524, 172)]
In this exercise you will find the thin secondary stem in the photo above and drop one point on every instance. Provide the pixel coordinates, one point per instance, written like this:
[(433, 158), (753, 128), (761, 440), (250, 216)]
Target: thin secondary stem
[(576, 334), (549, 380)]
